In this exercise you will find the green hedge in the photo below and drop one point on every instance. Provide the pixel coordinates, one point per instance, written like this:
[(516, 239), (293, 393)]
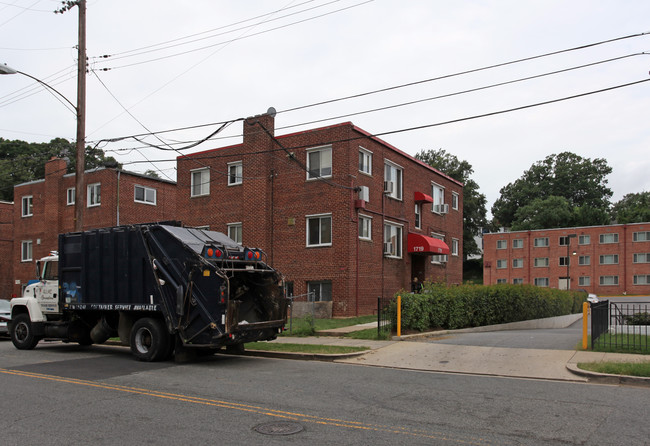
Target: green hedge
[(439, 306)]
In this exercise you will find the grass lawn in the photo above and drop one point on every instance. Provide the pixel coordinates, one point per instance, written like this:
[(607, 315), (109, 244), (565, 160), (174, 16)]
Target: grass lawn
[(622, 343), (618, 368), (302, 326), (303, 348)]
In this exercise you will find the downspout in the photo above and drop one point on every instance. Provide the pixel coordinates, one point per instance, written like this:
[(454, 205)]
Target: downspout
[(271, 225)]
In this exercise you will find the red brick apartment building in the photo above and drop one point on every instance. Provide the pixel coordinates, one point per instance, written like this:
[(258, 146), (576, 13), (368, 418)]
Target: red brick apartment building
[(600, 259), (339, 212), (6, 248), (45, 208)]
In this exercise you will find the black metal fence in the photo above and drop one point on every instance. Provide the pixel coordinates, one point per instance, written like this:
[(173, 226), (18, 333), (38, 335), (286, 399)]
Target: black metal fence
[(384, 317), (620, 326)]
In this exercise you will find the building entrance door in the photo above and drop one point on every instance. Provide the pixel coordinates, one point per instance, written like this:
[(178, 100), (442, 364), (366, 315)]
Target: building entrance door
[(564, 283)]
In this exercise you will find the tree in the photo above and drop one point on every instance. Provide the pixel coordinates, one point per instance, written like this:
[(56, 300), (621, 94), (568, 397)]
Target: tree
[(581, 181), (632, 208), (21, 161), (474, 202)]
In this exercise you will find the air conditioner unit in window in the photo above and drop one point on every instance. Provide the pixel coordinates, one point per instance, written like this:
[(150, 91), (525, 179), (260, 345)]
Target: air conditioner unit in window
[(388, 248), (441, 208), (388, 187), (364, 193)]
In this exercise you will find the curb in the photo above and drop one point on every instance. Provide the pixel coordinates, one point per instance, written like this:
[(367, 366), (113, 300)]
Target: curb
[(606, 378), (302, 356)]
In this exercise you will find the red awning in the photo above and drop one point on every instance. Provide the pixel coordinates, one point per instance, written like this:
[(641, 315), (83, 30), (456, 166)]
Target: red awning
[(421, 244), (421, 197)]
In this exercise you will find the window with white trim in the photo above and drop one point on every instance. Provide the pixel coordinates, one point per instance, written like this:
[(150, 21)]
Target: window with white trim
[(541, 262), (319, 163), (584, 260), (584, 281), (319, 230), (541, 242), (438, 194), (393, 180), (541, 281), (418, 216), (235, 232), (393, 240), (454, 246), (609, 259), (94, 196), (365, 227), (319, 291), (584, 239), (28, 206), (608, 280), (442, 258), (365, 161), (502, 264), (502, 244), (454, 200), (502, 281), (200, 182), (235, 173), (142, 194), (70, 196), (518, 281), (517, 263), (517, 243), (642, 257), (26, 251), (641, 279), (643, 236), (563, 261), (608, 238)]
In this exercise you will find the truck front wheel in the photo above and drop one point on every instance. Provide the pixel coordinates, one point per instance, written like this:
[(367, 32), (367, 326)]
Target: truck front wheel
[(149, 340), (22, 334)]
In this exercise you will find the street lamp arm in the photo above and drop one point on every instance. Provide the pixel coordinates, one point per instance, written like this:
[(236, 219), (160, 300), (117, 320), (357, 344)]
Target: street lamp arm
[(48, 87)]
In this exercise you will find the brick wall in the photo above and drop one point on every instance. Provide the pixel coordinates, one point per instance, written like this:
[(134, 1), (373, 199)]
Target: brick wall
[(6, 249)]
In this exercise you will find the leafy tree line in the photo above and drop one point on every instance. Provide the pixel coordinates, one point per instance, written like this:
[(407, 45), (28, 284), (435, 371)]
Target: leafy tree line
[(22, 161)]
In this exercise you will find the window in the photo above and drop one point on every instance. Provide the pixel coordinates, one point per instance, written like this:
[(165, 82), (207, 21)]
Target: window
[(642, 258), (319, 230), (502, 244), (502, 264), (392, 240), (641, 236), (442, 258), (438, 194), (200, 179), (643, 279), (319, 163), (584, 240), (541, 281), (584, 281), (235, 172), (320, 291), (541, 242), (608, 238), (517, 281), (501, 281), (564, 261), (144, 195), (28, 206), (288, 289), (584, 260), (517, 263), (418, 219), (393, 180), (541, 262), (564, 240), (26, 251), (454, 201), (71, 196), (365, 161), (608, 280), (94, 194), (454, 246), (365, 227), (609, 259), (235, 232), (517, 243)]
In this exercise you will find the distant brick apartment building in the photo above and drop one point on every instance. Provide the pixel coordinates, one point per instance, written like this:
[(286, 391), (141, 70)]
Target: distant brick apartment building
[(6, 248), (340, 213), (611, 259), (45, 208)]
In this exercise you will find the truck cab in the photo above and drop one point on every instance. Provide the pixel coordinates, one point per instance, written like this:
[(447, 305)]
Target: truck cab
[(45, 290)]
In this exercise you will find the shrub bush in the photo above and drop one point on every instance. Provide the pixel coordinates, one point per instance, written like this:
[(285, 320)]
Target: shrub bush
[(440, 306)]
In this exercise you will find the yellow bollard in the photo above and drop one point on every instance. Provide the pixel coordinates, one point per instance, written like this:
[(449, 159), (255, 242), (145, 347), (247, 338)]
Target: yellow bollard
[(399, 316), (585, 324)]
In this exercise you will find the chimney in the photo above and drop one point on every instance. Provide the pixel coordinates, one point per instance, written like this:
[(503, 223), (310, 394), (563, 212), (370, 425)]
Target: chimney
[(258, 128), (56, 166)]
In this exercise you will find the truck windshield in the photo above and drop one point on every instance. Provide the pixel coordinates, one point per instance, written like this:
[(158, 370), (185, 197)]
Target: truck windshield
[(51, 271)]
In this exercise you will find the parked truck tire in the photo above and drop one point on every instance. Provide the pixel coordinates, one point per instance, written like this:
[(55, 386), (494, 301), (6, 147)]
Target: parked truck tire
[(150, 340), (22, 332)]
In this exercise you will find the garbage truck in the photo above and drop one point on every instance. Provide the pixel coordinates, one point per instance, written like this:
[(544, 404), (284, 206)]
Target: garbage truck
[(160, 287)]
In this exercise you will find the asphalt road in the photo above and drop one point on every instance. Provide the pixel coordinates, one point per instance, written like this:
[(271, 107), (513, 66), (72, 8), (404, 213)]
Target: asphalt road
[(67, 394)]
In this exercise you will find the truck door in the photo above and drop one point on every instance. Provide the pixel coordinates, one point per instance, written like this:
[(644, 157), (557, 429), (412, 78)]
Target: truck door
[(47, 290)]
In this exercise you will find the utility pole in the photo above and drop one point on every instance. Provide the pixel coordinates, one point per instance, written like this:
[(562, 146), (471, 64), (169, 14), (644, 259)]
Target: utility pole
[(79, 195)]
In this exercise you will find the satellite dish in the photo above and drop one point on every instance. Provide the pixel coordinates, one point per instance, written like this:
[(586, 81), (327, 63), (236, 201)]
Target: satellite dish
[(271, 112)]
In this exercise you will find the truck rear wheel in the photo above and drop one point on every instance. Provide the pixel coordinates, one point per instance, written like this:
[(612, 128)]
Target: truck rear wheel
[(22, 334), (149, 340)]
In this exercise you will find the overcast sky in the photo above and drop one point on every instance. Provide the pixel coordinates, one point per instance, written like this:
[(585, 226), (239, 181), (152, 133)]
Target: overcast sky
[(222, 60)]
